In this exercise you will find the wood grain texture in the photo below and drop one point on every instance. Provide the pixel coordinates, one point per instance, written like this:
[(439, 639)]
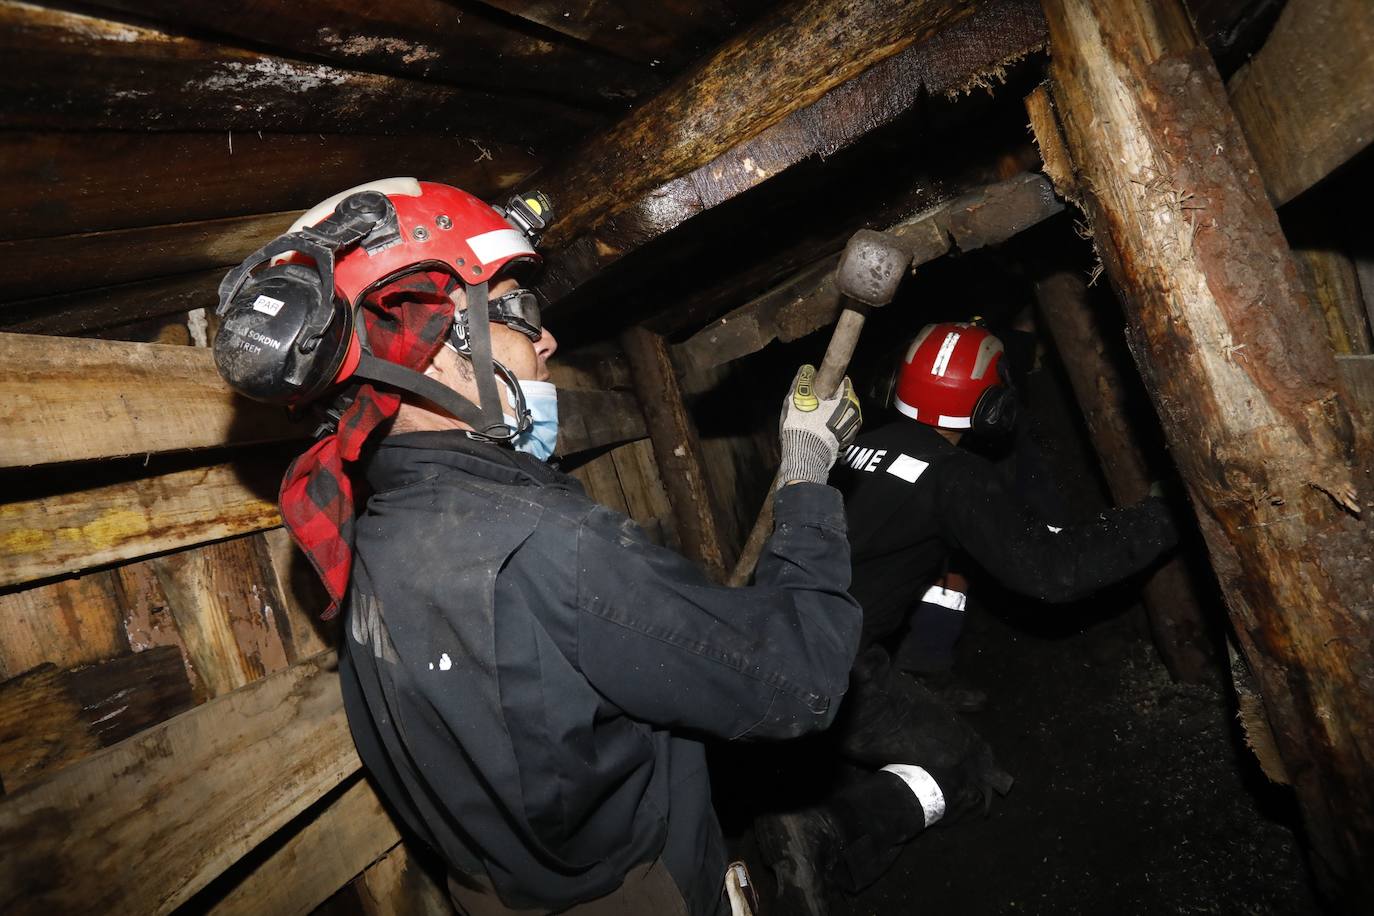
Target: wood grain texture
[(85, 528), (1305, 101), (211, 784), (63, 399), (593, 419), (43, 267), (147, 619), (677, 451), (399, 885), (89, 310), (50, 718), (1244, 378), (224, 600), (350, 834), (63, 183), (68, 623), (133, 77), (663, 35), (303, 598), (811, 300), (1334, 286), (769, 98), (425, 39)]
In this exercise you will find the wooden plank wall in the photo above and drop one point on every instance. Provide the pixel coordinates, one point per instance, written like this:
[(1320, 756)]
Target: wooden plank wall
[(132, 611)]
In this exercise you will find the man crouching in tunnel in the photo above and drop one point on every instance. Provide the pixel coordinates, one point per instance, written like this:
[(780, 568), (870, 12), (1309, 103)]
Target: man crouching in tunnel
[(527, 677), (912, 497)]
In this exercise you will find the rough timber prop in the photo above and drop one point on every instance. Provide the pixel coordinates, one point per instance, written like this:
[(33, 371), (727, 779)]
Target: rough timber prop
[(1245, 382), (808, 80)]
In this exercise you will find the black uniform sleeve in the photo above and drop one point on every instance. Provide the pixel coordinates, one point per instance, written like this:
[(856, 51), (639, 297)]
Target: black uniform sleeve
[(1001, 532), (670, 647)]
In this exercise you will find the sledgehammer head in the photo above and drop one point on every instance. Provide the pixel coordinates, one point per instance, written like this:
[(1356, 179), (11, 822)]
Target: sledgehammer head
[(872, 267)]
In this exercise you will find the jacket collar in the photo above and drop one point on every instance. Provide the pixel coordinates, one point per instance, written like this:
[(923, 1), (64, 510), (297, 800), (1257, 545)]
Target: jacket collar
[(405, 458)]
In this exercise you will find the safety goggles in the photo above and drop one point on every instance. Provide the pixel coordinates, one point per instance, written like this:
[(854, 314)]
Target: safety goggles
[(519, 311)]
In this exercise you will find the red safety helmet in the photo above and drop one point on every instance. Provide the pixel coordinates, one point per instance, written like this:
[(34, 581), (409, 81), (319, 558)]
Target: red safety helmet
[(438, 227), (951, 378), (290, 333)]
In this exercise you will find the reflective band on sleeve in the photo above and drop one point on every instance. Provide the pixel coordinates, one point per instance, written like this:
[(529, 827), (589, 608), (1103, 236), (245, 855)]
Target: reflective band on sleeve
[(945, 597), (954, 422), (923, 786), (498, 244), (908, 468)]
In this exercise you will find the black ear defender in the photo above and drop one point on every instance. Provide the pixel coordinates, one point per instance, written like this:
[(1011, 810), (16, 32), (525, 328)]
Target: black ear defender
[(994, 416)]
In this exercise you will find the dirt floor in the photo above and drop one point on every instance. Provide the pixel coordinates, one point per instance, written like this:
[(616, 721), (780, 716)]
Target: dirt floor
[(1133, 794)]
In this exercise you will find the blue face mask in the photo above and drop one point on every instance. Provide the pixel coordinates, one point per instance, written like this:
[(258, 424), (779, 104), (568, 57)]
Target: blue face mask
[(542, 400)]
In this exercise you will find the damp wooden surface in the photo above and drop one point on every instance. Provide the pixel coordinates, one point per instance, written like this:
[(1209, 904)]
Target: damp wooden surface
[(63, 183), (51, 717), (1305, 101), (135, 77), (216, 780), (421, 39), (1247, 397), (702, 145), (73, 531), (351, 833)]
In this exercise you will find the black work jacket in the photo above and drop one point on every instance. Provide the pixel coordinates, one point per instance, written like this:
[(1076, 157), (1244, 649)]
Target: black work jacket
[(911, 497), (524, 669)]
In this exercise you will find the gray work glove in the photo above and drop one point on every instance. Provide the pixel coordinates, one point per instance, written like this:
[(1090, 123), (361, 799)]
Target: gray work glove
[(815, 429)]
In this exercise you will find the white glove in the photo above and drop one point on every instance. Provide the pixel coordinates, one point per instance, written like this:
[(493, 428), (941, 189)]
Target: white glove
[(815, 429)]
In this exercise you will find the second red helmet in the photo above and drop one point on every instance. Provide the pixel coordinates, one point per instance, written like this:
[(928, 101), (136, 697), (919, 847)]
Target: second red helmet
[(945, 372)]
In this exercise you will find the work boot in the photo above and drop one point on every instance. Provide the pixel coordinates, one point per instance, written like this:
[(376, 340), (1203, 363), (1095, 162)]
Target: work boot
[(956, 693), (801, 847)]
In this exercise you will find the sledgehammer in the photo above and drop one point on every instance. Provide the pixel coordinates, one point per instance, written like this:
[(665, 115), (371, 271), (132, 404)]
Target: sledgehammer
[(869, 272)]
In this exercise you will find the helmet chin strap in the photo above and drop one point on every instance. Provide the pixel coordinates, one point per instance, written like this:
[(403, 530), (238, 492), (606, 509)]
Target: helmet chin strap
[(476, 348)]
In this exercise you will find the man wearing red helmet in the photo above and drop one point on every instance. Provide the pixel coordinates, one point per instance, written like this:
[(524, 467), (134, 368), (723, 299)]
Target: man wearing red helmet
[(912, 498), (527, 677)]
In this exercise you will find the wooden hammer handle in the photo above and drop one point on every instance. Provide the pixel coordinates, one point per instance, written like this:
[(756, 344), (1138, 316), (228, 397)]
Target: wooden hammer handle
[(833, 366)]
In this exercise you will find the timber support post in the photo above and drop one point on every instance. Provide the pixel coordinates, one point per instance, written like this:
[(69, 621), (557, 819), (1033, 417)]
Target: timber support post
[(1171, 604), (676, 448), (1240, 369)]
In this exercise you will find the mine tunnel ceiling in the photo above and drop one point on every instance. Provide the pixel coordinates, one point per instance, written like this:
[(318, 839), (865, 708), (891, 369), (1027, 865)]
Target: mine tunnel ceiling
[(149, 145)]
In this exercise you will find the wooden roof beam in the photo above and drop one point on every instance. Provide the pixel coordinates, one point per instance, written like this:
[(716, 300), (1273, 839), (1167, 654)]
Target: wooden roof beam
[(810, 300), (808, 80), (1306, 101)]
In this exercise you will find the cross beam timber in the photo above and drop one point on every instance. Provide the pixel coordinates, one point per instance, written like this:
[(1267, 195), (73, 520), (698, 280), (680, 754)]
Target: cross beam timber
[(807, 81), (810, 300), (1306, 100)]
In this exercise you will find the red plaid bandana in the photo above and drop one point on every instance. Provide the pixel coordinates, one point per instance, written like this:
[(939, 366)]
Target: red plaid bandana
[(406, 323)]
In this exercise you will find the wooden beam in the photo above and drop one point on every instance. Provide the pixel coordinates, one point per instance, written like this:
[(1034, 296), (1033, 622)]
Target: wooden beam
[(810, 300), (224, 600), (350, 834), (1169, 595), (67, 533), (791, 87), (676, 448), (88, 310), (44, 267), (1306, 100), (595, 419), (50, 718), (68, 623), (71, 71), (213, 783), (66, 399), (1334, 286), (663, 35), (400, 885), (426, 39), (1245, 382), (63, 183)]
